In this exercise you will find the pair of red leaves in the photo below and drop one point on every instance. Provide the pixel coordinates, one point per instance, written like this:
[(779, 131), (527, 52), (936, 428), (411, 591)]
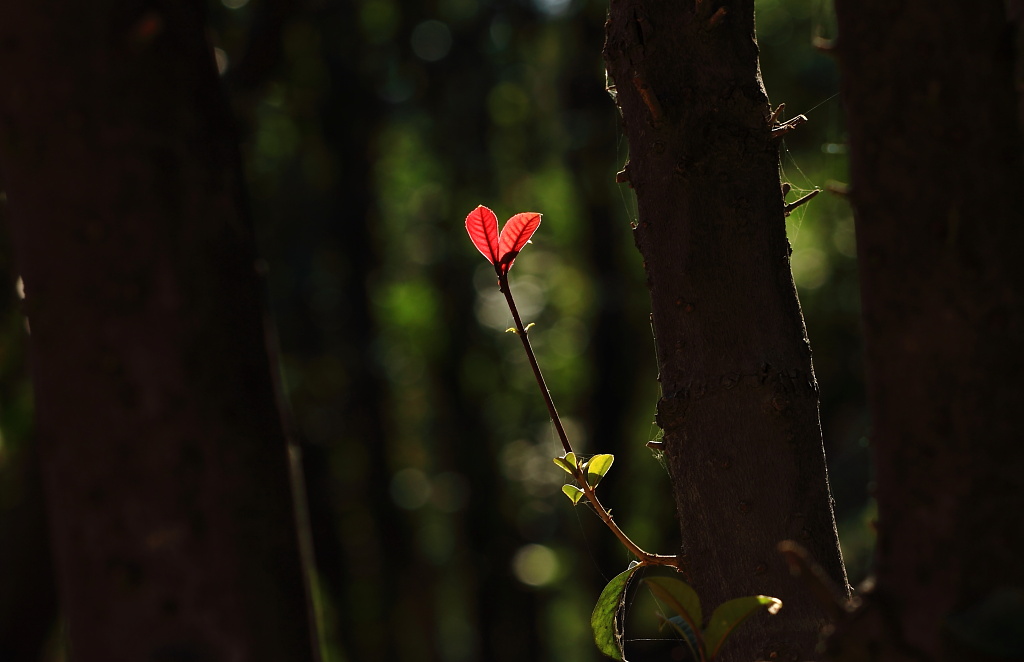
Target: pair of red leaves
[(501, 249)]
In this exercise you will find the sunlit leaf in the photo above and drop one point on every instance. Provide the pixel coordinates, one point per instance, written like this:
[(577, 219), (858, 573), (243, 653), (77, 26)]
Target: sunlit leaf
[(728, 616), (597, 467), (574, 493), (690, 636), (482, 226), (604, 620), (680, 597), (568, 463), (515, 235)]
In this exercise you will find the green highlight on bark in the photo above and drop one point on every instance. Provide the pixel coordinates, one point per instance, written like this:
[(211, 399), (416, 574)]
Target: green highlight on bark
[(728, 616)]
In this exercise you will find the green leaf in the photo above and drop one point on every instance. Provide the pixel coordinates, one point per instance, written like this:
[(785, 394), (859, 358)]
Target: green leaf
[(568, 463), (680, 596), (597, 467), (605, 620), (689, 635), (727, 617), (574, 493), (683, 600)]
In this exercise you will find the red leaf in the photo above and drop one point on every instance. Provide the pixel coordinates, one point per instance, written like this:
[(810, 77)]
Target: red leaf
[(514, 235), (482, 226)]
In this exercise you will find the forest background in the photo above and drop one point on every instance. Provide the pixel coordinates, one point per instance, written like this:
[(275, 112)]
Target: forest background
[(369, 130)]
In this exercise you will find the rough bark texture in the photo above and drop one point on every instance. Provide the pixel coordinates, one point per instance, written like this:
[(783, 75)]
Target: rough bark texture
[(739, 405), (164, 460), (938, 195)]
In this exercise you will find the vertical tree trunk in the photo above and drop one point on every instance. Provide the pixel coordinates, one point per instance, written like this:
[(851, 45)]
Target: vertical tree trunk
[(28, 595), (164, 459), (375, 561), (739, 402), (938, 196), (511, 628)]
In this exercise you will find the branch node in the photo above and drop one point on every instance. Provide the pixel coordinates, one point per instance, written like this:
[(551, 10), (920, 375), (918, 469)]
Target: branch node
[(823, 45), (650, 100), (837, 188), (717, 17), (782, 129), (578, 472), (789, 207)]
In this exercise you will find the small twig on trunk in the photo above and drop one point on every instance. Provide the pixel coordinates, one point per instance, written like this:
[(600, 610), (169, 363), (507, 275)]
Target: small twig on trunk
[(788, 207)]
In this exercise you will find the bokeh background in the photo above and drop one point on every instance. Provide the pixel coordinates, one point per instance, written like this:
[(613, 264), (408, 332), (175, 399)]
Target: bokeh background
[(370, 129)]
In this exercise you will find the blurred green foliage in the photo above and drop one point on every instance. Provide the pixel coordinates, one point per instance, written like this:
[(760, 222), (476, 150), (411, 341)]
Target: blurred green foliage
[(440, 529)]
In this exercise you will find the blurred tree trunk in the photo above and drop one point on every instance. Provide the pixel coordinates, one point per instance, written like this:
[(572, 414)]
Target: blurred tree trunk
[(164, 460), (28, 597), (364, 541), (938, 196), (360, 537), (461, 131), (739, 403)]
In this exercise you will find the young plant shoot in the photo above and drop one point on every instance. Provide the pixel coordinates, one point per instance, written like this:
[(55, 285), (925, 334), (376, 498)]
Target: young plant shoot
[(704, 640)]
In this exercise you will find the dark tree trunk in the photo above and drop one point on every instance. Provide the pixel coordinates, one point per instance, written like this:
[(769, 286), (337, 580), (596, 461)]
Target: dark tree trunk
[(164, 459), (28, 597), (739, 399), (368, 542), (938, 196)]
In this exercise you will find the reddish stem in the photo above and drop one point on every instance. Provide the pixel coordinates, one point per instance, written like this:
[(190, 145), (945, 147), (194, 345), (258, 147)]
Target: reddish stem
[(521, 332), (645, 558)]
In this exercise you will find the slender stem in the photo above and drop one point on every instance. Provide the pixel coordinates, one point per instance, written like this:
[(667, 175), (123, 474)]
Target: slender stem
[(645, 558), (503, 285)]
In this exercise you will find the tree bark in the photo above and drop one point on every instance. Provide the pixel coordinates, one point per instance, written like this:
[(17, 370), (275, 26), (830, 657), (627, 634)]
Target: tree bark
[(936, 187), (164, 459), (739, 403)]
